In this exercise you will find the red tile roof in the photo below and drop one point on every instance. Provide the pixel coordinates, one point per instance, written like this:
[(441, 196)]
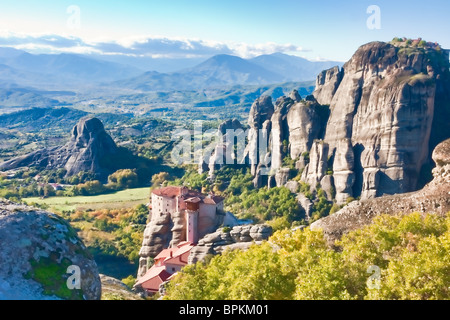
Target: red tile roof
[(194, 200), (158, 274), (188, 195), (165, 253), (213, 200), (177, 257), (183, 243), (175, 252), (169, 192), (154, 277)]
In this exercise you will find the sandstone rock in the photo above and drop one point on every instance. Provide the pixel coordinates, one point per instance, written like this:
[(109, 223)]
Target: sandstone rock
[(327, 185), (260, 232), (305, 204), (279, 131), (158, 236), (260, 114), (87, 148), (304, 127), (441, 155), (114, 289), (199, 253), (221, 150), (344, 167), (384, 105), (292, 186), (301, 163), (178, 230), (239, 237), (227, 125), (318, 164), (37, 247), (326, 85), (434, 198), (236, 246), (295, 96), (282, 176)]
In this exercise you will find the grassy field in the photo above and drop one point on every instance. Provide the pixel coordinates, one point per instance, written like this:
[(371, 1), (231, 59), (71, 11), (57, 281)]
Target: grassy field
[(122, 199)]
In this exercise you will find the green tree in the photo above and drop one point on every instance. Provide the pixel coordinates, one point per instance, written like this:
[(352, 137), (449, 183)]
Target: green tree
[(412, 252), (123, 179)]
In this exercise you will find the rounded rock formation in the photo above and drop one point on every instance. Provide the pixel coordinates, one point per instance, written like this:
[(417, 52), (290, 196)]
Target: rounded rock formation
[(40, 255)]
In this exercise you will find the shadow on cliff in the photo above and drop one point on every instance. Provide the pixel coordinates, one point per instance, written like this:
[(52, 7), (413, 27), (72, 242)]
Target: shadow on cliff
[(145, 168)]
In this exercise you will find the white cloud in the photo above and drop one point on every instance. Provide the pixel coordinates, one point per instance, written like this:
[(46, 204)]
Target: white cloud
[(149, 46), (252, 50)]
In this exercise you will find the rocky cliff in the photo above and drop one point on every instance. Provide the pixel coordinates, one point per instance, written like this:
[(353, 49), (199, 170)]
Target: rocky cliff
[(36, 250), (223, 151), (367, 131), (382, 105), (434, 198), (239, 237), (89, 145), (166, 230)]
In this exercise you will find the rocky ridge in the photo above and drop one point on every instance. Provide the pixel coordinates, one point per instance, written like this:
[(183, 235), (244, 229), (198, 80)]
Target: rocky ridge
[(239, 237), (366, 132), (434, 198)]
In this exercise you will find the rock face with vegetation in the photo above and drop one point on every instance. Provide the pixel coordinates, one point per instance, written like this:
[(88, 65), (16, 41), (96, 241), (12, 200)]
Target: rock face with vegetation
[(213, 160), (370, 126), (89, 147), (240, 237), (36, 250), (114, 289), (165, 230), (434, 198), (385, 105)]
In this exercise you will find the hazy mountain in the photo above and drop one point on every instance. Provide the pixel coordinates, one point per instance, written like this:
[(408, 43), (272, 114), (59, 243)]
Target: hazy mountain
[(7, 52), (20, 97), (37, 119), (226, 69), (220, 70), (58, 70), (81, 72), (162, 65), (293, 68)]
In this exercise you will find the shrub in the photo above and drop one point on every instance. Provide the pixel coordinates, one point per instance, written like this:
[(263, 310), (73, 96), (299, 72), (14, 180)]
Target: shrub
[(412, 252), (123, 179)]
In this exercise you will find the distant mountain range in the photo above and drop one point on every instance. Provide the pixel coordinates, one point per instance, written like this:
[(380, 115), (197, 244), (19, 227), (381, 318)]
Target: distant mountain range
[(76, 72), (225, 70), (47, 80), (51, 71)]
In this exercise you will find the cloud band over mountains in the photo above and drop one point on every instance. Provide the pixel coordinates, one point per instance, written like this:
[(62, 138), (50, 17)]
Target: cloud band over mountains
[(155, 47)]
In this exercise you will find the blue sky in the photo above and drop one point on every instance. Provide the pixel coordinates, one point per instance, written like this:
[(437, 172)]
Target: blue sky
[(314, 29)]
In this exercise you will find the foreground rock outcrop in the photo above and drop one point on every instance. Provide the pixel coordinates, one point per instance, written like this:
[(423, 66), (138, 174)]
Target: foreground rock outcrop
[(239, 237), (89, 147), (434, 198), (36, 250), (114, 289)]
